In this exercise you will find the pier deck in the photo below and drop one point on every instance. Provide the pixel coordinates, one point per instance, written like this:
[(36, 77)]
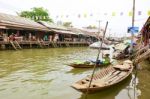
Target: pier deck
[(41, 44)]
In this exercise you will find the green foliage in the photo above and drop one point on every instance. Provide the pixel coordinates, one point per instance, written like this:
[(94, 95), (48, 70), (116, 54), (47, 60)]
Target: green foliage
[(67, 24), (91, 27), (36, 14)]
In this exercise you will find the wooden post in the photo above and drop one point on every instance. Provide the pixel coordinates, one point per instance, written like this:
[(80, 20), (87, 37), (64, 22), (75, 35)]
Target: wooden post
[(133, 17)]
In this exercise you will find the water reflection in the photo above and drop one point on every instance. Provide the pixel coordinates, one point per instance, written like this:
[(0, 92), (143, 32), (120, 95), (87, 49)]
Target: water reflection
[(110, 92), (75, 71)]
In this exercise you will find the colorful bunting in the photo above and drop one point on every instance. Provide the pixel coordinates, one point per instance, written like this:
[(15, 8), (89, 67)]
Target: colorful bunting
[(91, 14), (121, 13), (113, 14), (85, 15), (79, 15), (67, 16), (148, 13), (139, 13), (130, 13)]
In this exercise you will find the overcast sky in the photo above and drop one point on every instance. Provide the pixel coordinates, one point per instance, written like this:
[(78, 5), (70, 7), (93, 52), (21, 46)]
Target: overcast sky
[(94, 10)]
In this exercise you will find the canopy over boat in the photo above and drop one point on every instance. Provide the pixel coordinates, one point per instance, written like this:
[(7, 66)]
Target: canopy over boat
[(98, 44)]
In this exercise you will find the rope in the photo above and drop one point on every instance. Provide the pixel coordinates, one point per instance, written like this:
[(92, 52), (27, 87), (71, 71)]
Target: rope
[(99, 51)]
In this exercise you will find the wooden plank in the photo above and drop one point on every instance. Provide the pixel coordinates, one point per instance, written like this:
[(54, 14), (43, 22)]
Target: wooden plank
[(11, 42), (18, 45), (142, 57)]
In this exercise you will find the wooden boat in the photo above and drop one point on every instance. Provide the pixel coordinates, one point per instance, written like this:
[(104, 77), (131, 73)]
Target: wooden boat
[(86, 65), (105, 78)]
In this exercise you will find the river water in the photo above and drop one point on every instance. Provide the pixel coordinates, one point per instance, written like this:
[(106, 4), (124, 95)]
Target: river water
[(43, 74)]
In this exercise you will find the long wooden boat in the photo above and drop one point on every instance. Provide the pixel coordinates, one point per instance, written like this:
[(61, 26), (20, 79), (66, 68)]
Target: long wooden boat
[(105, 78), (86, 65)]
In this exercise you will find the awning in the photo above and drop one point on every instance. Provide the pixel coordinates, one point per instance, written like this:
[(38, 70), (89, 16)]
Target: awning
[(3, 27), (64, 32)]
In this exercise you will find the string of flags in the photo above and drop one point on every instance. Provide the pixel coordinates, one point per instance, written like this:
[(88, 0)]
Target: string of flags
[(85, 15)]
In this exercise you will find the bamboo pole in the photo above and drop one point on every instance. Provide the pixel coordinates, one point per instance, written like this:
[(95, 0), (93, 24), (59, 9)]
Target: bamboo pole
[(99, 51)]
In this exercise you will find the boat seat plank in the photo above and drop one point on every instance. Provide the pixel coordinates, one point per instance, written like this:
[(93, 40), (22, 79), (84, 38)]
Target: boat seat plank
[(117, 77), (112, 75)]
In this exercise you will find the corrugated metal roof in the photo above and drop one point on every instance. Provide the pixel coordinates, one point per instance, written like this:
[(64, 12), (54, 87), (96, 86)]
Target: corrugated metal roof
[(63, 32), (16, 21), (77, 31), (3, 27), (53, 26), (92, 32), (58, 29)]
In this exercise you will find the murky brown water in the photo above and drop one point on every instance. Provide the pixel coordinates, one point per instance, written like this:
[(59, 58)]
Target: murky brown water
[(43, 74)]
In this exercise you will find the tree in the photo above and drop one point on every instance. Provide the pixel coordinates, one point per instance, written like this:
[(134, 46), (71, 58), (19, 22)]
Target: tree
[(91, 27), (67, 24), (36, 14)]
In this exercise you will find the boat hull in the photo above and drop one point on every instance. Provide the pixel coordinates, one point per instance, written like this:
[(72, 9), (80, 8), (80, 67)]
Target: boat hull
[(102, 79), (86, 65)]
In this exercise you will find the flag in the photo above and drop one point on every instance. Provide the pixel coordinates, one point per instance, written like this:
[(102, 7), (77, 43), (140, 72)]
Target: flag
[(85, 15), (121, 13), (79, 15), (67, 16), (56, 16), (91, 14), (139, 13), (113, 14), (148, 13), (130, 13)]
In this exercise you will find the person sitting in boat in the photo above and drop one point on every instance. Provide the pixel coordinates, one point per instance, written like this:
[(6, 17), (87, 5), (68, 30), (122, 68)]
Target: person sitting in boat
[(98, 62), (106, 59)]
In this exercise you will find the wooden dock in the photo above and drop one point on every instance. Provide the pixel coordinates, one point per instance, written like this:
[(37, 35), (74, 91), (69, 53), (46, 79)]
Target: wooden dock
[(18, 45)]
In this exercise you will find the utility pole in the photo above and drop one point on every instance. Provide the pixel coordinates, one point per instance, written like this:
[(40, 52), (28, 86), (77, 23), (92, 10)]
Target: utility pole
[(99, 31), (133, 18)]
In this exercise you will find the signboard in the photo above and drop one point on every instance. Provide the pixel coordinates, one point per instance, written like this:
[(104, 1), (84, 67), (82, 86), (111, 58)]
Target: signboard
[(133, 29)]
